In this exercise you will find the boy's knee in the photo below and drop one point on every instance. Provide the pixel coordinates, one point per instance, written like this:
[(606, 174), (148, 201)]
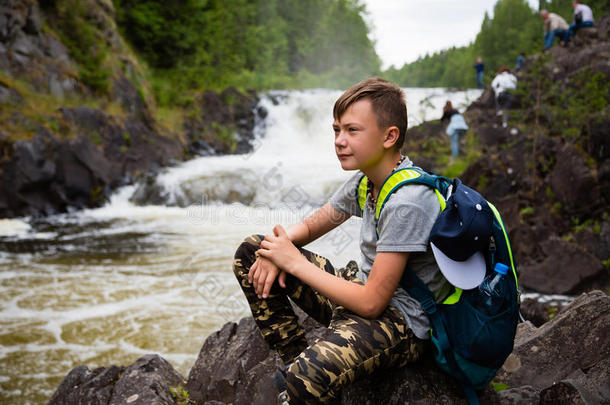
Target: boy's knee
[(309, 383), (245, 253), (249, 246)]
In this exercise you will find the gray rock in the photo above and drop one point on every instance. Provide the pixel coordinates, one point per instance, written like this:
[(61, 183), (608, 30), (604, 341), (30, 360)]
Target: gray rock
[(145, 382), (566, 268), (575, 340)]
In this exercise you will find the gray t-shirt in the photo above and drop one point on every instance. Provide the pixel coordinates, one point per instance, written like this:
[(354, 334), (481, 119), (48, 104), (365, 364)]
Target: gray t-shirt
[(404, 226)]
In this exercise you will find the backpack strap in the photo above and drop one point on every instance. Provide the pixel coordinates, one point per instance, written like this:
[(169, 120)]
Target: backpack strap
[(416, 288), (411, 175)]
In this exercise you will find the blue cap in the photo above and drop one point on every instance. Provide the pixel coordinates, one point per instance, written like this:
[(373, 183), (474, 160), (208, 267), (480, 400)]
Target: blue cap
[(501, 268), (460, 235)]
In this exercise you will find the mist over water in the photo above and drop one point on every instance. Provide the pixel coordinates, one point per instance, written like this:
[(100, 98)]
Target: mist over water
[(153, 275)]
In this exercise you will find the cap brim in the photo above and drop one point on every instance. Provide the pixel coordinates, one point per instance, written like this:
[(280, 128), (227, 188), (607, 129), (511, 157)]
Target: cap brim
[(465, 275)]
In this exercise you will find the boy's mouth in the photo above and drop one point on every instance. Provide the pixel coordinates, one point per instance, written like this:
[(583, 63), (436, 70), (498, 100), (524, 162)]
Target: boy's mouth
[(343, 155)]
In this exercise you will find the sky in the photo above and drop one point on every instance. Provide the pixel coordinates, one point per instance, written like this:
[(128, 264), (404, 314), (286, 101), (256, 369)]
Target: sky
[(406, 29)]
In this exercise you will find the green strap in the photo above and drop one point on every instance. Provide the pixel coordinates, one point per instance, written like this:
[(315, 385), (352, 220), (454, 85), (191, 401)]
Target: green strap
[(362, 186), (510, 252)]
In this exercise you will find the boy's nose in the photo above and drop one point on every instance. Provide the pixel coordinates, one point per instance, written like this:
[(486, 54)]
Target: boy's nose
[(340, 140)]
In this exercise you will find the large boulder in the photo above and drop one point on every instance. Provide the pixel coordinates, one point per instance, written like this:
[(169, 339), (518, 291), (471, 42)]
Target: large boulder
[(572, 350)]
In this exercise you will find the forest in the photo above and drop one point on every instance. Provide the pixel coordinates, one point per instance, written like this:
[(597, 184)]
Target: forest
[(193, 45), (514, 28)]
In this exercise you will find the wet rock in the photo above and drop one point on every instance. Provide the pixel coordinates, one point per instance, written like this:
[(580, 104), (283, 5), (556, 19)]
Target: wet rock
[(566, 268), (223, 123), (573, 346), (147, 381), (83, 386)]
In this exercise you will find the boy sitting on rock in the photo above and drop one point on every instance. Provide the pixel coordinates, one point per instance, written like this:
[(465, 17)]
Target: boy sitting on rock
[(373, 322)]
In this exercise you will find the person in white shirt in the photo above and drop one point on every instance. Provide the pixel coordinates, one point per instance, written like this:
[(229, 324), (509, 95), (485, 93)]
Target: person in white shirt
[(583, 17), (503, 82)]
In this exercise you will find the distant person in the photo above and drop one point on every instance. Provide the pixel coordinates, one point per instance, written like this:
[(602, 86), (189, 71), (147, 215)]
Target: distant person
[(503, 82), (456, 129), (554, 25), (520, 60), (479, 67), (583, 17)]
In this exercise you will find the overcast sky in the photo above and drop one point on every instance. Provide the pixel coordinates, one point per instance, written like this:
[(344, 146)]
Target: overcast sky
[(406, 29)]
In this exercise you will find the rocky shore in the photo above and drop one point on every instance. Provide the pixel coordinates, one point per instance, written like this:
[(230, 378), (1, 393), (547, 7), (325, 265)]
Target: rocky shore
[(565, 361)]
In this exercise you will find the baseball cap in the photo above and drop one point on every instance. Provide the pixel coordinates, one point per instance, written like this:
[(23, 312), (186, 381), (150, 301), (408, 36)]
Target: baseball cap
[(460, 235)]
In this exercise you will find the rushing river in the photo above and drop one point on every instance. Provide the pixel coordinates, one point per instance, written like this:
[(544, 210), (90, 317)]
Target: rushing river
[(107, 285)]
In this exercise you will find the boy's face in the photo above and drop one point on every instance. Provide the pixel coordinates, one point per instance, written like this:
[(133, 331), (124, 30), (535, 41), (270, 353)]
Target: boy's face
[(359, 142)]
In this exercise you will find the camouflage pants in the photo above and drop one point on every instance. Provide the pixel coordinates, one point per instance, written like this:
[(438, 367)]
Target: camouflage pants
[(354, 347)]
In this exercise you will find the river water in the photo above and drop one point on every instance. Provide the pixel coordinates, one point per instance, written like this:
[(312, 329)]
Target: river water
[(107, 285)]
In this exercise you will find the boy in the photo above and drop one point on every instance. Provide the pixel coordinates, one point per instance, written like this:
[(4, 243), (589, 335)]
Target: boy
[(373, 322)]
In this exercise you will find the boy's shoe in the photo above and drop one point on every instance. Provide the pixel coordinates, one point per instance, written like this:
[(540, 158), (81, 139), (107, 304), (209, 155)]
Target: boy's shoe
[(279, 379)]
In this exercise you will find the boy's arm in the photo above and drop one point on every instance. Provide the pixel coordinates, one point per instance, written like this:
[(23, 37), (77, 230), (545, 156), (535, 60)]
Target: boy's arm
[(322, 221), (263, 272), (368, 300)]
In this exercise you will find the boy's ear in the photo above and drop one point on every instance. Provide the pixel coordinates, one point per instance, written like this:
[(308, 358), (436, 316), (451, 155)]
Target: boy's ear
[(391, 136)]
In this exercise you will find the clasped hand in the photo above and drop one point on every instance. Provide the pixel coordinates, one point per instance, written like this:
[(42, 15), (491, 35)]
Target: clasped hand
[(277, 256)]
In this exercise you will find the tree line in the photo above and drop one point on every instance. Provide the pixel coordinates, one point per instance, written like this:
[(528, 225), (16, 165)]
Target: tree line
[(194, 44), (514, 28)]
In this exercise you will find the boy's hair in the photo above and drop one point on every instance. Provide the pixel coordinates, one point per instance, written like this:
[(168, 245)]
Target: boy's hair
[(387, 100)]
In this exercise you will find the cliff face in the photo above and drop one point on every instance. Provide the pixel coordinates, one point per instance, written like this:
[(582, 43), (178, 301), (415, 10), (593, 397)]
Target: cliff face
[(75, 123)]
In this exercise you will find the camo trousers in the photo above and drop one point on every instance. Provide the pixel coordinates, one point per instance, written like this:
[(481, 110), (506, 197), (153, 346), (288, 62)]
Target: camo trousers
[(354, 347)]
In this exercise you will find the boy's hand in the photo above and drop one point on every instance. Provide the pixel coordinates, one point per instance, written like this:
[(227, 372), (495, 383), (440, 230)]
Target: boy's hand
[(279, 249), (262, 274)]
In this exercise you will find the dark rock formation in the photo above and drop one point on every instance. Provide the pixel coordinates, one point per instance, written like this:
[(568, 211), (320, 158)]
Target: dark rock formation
[(145, 382), (572, 350), (74, 157), (230, 114), (566, 360)]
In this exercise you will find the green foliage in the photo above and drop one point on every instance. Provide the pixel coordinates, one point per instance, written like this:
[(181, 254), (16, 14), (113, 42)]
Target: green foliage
[(526, 211), (78, 31), (127, 138), (499, 386), (514, 28), (180, 395), (565, 108), (248, 43)]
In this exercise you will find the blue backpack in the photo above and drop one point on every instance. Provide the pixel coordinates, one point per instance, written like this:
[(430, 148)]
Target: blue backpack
[(469, 345)]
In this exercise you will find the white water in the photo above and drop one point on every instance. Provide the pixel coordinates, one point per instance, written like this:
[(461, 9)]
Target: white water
[(104, 286)]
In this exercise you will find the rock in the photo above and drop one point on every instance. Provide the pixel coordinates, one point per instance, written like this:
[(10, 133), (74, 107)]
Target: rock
[(145, 382), (235, 366), (573, 346), (567, 268), (223, 123), (534, 311), (82, 386), (525, 395), (573, 182)]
